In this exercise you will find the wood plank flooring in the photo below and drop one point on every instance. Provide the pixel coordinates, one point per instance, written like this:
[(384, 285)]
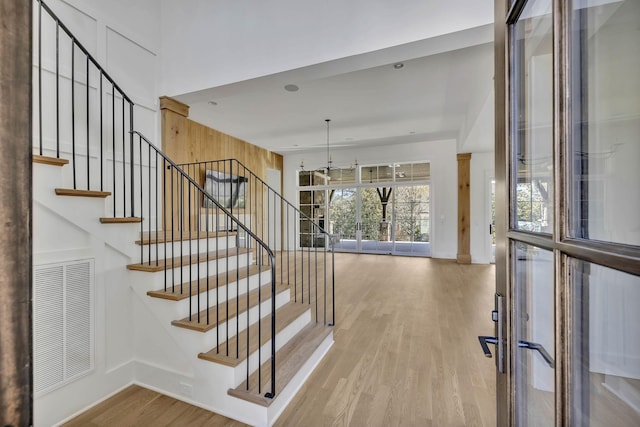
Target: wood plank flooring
[(406, 353)]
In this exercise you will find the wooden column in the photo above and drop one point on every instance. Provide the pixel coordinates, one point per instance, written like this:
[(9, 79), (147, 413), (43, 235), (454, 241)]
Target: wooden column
[(16, 394), (464, 208)]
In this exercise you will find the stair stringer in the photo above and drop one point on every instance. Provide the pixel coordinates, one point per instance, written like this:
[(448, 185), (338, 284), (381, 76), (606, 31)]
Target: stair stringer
[(180, 374)]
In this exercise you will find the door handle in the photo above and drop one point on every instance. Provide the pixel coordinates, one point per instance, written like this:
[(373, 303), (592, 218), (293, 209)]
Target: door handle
[(484, 341), (540, 349)]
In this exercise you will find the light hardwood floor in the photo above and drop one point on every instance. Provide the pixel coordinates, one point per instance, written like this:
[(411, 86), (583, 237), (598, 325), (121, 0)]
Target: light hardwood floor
[(406, 353)]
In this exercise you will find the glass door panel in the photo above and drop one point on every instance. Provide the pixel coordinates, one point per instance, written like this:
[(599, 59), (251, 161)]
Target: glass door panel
[(411, 220), (605, 194), (375, 231), (532, 165), (606, 347), (534, 330), (343, 214)]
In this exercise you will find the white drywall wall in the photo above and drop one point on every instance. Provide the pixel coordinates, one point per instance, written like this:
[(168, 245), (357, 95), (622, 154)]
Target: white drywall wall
[(444, 181)]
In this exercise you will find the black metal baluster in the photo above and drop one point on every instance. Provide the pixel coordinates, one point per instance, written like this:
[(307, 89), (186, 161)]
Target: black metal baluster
[(173, 230), (156, 196), (57, 88), (141, 205), (88, 141), (281, 242), (248, 318), (204, 201), (302, 269), (259, 259), (101, 138), (333, 286), (227, 221), (197, 208), (238, 292), (164, 215), (150, 192), (273, 329), (325, 279), (40, 76), (288, 248), (315, 250), (296, 236), (124, 173), (190, 256), (73, 110), (132, 173), (181, 225), (309, 265), (113, 148), (218, 234)]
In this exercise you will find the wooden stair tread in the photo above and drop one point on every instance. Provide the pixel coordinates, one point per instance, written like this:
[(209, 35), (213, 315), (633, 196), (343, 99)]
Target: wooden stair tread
[(182, 291), (81, 193), (236, 306), (120, 220), (151, 237), (46, 160), (289, 359), (185, 260), (284, 316)]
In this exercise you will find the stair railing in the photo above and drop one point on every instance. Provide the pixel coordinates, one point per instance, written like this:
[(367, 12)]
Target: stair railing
[(305, 266), (152, 188), (93, 115)]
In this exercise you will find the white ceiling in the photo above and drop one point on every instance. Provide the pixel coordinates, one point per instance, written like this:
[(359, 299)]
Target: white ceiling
[(443, 91)]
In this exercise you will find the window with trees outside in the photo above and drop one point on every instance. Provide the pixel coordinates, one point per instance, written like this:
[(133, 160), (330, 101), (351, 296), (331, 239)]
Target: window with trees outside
[(372, 208)]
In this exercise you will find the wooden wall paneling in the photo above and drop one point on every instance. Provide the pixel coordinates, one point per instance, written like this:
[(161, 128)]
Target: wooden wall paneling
[(186, 141), (464, 208)]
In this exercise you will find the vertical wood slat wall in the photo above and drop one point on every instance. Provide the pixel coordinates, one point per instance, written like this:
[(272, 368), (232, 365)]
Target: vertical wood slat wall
[(186, 141)]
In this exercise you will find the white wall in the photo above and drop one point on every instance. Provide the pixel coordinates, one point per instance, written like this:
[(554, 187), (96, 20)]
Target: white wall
[(482, 171), (444, 181), (124, 37), (239, 40)]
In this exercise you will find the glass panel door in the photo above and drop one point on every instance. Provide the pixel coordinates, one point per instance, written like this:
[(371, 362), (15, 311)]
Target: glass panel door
[(567, 202), (534, 335), (343, 216), (606, 348), (411, 220), (375, 235)]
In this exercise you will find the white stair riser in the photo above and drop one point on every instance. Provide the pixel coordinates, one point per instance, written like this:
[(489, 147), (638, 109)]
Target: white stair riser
[(180, 309), (185, 247), (282, 337), (151, 281), (199, 342)]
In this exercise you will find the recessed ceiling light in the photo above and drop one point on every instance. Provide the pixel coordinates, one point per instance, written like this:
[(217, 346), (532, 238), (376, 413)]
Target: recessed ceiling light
[(398, 65), (291, 88), (296, 145), (412, 133), (212, 103), (348, 139)]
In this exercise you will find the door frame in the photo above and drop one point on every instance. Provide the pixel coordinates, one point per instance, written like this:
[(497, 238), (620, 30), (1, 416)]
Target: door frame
[(565, 247)]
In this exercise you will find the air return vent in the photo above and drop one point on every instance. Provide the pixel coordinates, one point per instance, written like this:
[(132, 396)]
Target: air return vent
[(62, 323)]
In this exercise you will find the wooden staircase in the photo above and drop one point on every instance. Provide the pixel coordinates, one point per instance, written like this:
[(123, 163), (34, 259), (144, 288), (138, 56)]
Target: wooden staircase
[(213, 299)]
